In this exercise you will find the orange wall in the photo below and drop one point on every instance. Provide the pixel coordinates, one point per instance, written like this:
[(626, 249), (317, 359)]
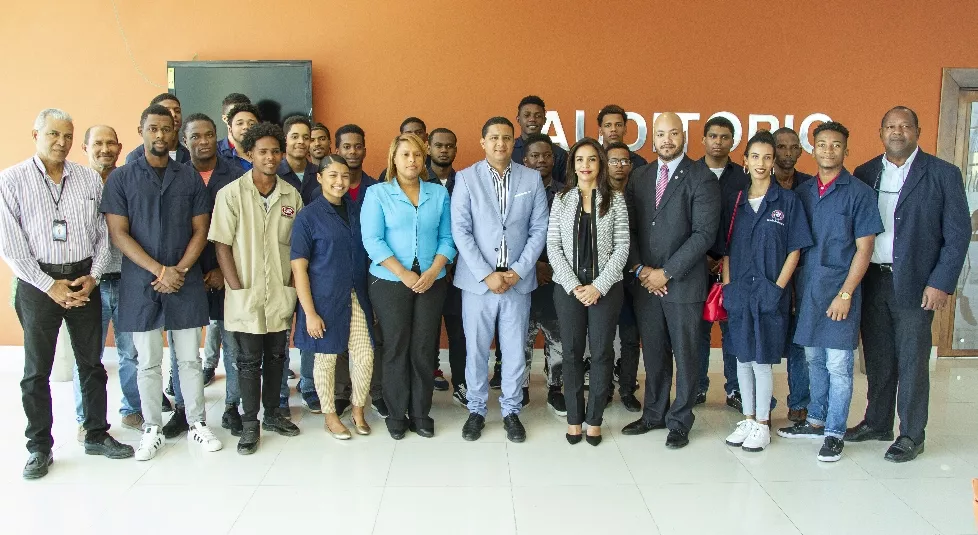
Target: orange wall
[(456, 63)]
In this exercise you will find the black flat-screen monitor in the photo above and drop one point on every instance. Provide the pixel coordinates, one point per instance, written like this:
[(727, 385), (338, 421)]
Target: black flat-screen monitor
[(279, 88)]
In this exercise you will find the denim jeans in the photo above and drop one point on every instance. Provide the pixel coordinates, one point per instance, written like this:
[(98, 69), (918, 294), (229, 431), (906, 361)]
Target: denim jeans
[(307, 382), (830, 371), (798, 396), (109, 291), (174, 376), (212, 343), (729, 361)]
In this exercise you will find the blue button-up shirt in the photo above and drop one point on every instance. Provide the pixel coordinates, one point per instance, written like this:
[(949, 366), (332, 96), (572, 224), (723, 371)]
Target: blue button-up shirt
[(392, 226)]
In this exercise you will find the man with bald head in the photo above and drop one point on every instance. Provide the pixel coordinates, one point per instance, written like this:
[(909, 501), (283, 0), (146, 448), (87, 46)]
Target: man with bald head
[(673, 211), (101, 145)]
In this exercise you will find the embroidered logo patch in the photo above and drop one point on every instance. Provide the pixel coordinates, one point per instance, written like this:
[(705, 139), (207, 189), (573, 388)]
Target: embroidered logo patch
[(288, 211), (777, 216)]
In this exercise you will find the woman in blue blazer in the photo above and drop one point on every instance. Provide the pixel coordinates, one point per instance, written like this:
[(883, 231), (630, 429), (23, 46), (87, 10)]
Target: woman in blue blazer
[(329, 266), (407, 233)]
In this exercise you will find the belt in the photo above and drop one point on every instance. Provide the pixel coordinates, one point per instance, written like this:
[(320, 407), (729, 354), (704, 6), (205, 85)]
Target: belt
[(501, 270), (66, 269), (884, 268), (111, 276)]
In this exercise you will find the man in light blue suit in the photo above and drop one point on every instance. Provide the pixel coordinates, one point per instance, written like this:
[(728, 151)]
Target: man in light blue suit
[(499, 222)]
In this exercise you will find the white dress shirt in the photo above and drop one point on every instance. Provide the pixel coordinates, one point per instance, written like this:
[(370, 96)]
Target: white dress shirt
[(891, 182)]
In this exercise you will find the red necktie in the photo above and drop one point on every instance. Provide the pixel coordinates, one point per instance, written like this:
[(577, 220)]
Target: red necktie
[(660, 185)]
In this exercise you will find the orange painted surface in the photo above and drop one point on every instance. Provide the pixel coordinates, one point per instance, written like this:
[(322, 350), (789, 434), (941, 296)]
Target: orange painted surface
[(455, 64)]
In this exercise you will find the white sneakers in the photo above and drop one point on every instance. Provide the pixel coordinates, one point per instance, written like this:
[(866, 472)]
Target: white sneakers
[(201, 435), (149, 443), (750, 436)]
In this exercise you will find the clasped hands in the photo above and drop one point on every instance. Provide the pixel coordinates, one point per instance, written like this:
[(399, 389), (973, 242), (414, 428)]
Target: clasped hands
[(501, 281), (419, 283), (63, 294), (587, 294), (170, 280), (654, 280)]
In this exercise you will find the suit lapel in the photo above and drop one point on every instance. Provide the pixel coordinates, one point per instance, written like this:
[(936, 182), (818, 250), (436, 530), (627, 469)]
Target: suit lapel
[(489, 187), (675, 182), (913, 178), (515, 179)]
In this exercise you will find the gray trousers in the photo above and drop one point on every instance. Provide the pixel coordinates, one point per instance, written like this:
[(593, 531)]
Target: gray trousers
[(149, 378)]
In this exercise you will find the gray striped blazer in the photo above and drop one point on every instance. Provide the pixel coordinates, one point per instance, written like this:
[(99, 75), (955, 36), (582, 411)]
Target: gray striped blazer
[(612, 239)]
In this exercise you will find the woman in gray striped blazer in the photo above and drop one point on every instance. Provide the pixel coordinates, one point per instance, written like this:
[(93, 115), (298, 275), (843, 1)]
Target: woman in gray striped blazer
[(587, 243)]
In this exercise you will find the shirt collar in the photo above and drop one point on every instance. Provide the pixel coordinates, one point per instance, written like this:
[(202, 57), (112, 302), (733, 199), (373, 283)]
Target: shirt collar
[(64, 168), (495, 174), (888, 165), (673, 165)]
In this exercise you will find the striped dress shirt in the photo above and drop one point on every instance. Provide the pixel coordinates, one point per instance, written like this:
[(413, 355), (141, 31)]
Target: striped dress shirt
[(30, 202), (501, 183)]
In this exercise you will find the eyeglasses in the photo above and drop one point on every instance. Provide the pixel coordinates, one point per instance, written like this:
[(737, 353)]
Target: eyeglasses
[(619, 162)]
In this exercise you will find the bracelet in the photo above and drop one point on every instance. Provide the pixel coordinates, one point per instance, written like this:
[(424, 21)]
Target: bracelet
[(638, 270)]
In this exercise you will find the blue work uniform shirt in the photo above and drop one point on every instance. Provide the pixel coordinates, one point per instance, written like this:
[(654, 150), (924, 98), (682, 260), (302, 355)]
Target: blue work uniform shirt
[(761, 241), (307, 186), (337, 266), (160, 217), (226, 150), (846, 212)]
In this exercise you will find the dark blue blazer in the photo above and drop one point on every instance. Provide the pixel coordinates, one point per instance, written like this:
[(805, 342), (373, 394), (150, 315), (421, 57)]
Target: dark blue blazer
[(224, 173), (932, 226)]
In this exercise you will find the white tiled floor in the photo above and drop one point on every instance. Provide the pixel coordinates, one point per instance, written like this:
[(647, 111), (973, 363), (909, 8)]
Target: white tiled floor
[(373, 485)]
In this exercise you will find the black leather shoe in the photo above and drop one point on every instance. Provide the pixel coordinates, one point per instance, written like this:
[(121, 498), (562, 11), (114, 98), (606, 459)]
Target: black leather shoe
[(231, 420), (250, 434), (572, 439), (472, 429), (37, 465), (640, 427), (700, 398), (593, 440), (280, 425), (677, 439), (863, 432), (177, 424), (734, 401), (396, 435), (422, 432), (515, 431), (109, 447), (903, 450), (631, 403)]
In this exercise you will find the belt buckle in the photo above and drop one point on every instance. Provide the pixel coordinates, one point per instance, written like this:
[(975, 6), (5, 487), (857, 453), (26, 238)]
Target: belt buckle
[(886, 268)]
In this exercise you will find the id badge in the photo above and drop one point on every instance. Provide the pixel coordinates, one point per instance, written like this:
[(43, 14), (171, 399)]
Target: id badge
[(59, 230)]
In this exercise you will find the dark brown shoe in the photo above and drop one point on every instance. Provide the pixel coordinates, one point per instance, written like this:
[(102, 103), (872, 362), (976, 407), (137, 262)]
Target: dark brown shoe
[(798, 415)]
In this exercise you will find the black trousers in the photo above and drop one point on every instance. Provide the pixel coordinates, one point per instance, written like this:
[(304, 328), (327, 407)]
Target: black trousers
[(628, 335), (896, 342), (456, 347), (661, 322), (409, 324), (580, 325), (261, 361), (41, 320)]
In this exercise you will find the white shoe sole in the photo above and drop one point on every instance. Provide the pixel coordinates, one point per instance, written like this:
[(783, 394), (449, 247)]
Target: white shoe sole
[(143, 457), (555, 411), (800, 437), (831, 459)]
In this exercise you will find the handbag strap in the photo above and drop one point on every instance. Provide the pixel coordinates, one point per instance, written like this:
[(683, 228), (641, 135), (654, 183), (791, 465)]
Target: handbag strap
[(734, 216)]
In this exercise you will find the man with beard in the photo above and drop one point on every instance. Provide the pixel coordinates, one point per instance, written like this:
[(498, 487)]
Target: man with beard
[(674, 212), (786, 153), (158, 212), (177, 151), (531, 115), (613, 127), (718, 135), (351, 144), (442, 148), (319, 143), (101, 144), (226, 146)]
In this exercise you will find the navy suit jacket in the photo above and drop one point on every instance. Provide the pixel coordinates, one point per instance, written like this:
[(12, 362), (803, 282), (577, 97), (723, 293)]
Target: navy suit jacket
[(932, 226)]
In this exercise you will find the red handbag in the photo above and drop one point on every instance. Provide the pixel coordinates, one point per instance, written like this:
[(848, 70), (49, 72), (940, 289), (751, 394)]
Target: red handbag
[(713, 307)]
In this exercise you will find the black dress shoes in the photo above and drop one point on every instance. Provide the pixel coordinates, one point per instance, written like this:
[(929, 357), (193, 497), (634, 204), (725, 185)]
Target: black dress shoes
[(572, 439), (677, 439), (863, 432), (640, 427), (108, 447), (903, 450), (593, 440), (422, 432), (472, 429), (630, 402), (38, 463), (515, 431)]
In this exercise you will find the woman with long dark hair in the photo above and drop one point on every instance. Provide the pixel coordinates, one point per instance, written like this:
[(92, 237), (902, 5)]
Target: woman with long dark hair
[(587, 243)]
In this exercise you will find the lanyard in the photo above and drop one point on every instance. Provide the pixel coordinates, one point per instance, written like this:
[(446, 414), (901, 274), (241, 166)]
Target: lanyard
[(56, 203)]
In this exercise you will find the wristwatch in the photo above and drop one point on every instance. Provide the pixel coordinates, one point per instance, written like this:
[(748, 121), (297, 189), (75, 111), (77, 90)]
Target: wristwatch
[(845, 296)]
